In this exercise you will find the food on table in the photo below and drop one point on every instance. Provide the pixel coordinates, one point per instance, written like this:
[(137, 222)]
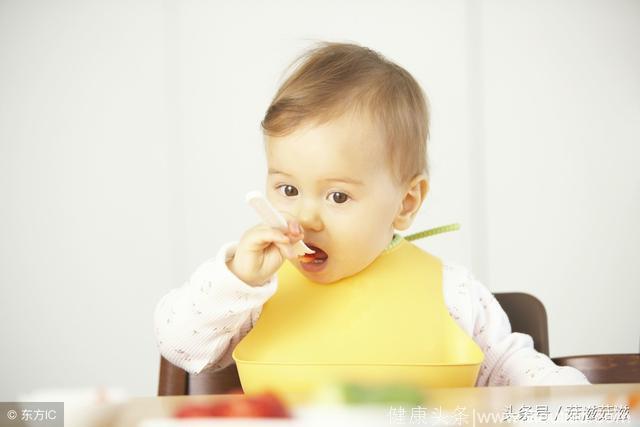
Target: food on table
[(634, 401), (266, 405), (355, 394)]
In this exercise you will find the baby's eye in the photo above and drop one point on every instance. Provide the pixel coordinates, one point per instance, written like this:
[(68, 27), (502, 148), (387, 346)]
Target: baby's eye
[(288, 190), (338, 197)]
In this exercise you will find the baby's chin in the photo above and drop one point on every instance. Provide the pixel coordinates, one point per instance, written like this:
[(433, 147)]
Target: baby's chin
[(326, 276), (323, 277)]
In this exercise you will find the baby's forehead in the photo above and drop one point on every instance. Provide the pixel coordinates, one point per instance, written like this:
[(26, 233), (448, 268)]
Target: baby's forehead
[(344, 139), (352, 129), (351, 143)]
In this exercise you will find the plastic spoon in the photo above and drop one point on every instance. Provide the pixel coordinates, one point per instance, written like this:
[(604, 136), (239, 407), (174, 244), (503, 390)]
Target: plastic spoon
[(273, 218)]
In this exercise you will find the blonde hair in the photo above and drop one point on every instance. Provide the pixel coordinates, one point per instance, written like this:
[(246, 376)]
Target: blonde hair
[(334, 78)]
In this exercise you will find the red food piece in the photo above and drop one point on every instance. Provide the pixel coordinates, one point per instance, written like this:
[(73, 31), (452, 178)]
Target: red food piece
[(263, 405), (307, 258), (318, 254), (634, 400), (194, 411)]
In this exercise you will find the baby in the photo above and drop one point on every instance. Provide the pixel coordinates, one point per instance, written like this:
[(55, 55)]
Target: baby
[(345, 140)]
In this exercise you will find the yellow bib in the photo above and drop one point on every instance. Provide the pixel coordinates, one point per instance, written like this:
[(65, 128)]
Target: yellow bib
[(386, 324)]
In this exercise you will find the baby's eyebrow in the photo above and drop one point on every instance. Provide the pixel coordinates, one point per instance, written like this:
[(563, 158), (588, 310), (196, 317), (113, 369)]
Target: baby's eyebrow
[(345, 180), (274, 171)]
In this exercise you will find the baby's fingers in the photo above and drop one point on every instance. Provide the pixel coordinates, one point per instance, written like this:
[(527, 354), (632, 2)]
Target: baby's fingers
[(261, 237), (295, 231), (286, 250)]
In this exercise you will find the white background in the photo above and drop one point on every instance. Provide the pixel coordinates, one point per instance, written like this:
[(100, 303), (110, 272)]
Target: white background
[(129, 134)]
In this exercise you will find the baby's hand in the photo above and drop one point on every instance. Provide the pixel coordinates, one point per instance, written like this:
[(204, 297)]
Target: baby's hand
[(262, 250)]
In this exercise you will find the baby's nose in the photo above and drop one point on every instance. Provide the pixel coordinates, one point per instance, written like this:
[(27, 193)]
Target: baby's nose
[(310, 220)]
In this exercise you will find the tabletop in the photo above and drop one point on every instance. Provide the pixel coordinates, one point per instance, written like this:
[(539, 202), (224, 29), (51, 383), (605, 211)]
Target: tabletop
[(598, 404)]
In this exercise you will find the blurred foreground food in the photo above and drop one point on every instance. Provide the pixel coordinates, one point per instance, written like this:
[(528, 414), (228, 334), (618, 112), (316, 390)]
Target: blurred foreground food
[(270, 405), (266, 405)]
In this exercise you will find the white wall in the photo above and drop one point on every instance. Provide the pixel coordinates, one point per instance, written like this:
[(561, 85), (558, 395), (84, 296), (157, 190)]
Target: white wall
[(84, 173), (562, 108), (129, 134)]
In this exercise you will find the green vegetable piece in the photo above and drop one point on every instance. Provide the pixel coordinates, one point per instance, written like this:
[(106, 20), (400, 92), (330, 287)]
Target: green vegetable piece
[(383, 395)]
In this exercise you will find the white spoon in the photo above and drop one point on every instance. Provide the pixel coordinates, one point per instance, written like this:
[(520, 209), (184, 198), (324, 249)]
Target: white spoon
[(273, 218)]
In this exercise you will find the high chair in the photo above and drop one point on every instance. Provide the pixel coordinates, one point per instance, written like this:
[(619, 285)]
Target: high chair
[(605, 368), (525, 312)]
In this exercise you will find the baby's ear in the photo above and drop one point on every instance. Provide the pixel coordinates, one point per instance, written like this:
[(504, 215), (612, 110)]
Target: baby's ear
[(415, 193)]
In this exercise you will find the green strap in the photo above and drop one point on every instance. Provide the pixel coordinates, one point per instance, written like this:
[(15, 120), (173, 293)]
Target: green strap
[(432, 232)]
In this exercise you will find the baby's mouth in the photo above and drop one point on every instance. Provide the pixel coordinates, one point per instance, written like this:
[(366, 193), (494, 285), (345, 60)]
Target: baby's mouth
[(317, 257)]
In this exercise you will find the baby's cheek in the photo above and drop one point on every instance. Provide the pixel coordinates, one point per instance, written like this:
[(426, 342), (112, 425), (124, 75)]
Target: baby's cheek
[(357, 231), (361, 244), (354, 259)]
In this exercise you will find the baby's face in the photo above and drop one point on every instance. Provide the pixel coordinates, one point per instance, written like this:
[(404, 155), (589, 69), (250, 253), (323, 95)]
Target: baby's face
[(334, 179)]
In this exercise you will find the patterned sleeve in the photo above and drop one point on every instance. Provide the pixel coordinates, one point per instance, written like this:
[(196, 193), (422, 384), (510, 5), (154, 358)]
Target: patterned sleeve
[(510, 358), (198, 325)]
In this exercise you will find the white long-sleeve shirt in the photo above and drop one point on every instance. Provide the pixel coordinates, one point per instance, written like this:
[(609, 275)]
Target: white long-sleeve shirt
[(198, 325)]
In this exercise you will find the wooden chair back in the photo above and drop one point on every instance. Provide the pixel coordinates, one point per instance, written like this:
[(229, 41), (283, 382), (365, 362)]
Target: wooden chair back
[(605, 368)]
